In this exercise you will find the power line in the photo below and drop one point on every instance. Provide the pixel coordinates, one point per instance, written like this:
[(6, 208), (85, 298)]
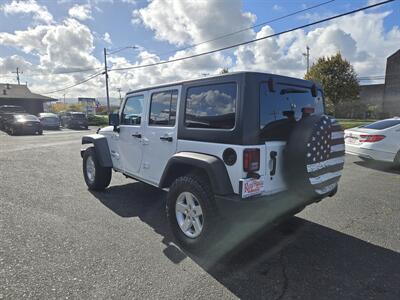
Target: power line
[(247, 28), (253, 40), (60, 73), (76, 84)]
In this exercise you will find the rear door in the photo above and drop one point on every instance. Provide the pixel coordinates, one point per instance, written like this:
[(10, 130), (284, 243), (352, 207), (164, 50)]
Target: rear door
[(131, 133), (160, 134)]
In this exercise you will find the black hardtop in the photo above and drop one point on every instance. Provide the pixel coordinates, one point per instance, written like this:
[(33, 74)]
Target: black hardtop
[(234, 76), (246, 130)]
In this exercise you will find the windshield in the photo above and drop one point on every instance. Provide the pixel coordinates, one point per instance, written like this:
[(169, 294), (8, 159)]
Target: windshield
[(379, 125)]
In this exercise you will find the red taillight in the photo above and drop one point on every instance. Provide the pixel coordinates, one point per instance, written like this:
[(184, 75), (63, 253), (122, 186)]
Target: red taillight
[(251, 160), (308, 110), (371, 138)]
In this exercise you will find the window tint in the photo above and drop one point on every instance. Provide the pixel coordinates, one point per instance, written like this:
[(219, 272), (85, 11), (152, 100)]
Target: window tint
[(287, 102), (163, 108), (133, 110), (383, 124), (211, 106)]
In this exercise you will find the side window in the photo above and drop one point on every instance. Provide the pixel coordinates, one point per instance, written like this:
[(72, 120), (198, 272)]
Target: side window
[(211, 106), (133, 110), (163, 108)]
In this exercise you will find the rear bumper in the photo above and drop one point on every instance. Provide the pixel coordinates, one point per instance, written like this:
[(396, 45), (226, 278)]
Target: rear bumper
[(370, 153), (265, 209)]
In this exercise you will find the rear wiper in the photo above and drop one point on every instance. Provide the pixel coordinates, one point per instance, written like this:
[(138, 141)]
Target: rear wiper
[(292, 91)]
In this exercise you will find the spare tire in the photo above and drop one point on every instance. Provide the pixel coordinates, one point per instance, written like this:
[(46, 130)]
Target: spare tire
[(314, 156)]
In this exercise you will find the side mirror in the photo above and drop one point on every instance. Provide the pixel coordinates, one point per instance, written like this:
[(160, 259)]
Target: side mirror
[(113, 120)]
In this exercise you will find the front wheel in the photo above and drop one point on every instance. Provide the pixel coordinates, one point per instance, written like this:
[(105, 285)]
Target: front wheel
[(97, 178), (191, 212)]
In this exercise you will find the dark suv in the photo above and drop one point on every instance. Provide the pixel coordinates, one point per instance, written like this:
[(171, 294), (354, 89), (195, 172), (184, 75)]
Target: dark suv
[(74, 120)]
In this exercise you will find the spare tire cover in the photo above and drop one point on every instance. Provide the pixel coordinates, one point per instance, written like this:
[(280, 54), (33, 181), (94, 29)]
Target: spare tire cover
[(314, 156)]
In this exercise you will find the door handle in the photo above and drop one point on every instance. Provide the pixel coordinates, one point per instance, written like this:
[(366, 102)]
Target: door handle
[(166, 138), (273, 155), (137, 135)]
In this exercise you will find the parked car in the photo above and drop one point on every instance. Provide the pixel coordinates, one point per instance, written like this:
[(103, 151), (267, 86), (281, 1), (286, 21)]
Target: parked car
[(378, 141), (7, 110), (49, 121), (231, 142), (23, 124), (74, 120)]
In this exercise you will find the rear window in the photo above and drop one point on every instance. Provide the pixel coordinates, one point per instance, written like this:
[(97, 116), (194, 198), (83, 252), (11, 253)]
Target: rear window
[(26, 118), (78, 116), (379, 125), (285, 102), (211, 106)]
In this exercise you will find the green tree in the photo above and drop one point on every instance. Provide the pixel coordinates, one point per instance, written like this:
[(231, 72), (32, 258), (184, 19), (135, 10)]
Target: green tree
[(339, 81), (224, 71)]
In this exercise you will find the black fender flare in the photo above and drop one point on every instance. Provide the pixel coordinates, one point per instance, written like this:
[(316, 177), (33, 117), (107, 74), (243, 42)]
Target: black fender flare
[(101, 146), (211, 165)]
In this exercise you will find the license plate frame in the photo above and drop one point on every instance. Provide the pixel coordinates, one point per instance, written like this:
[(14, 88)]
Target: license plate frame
[(251, 187)]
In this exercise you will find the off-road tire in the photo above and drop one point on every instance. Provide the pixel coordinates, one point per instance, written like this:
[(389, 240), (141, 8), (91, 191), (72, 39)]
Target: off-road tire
[(40, 132), (102, 175), (201, 189)]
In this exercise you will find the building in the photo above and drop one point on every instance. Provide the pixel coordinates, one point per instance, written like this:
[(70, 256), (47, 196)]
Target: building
[(385, 97), (20, 95), (391, 95)]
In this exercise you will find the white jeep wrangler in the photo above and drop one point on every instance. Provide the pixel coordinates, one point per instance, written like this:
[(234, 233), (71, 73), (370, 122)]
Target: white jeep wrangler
[(241, 137)]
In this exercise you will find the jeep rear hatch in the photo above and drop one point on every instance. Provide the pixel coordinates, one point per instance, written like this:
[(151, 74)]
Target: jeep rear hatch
[(283, 104)]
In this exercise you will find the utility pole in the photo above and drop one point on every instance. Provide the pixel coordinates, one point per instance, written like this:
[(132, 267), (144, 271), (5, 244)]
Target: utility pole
[(18, 72), (106, 73), (120, 98), (64, 98), (307, 55)]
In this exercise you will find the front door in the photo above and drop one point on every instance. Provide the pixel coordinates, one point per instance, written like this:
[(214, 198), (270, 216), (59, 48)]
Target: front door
[(160, 135), (131, 131)]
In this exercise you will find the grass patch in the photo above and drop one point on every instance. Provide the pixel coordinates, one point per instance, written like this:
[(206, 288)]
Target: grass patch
[(350, 123)]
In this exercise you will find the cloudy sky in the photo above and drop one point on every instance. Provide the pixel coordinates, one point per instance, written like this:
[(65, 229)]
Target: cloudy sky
[(49, 40)]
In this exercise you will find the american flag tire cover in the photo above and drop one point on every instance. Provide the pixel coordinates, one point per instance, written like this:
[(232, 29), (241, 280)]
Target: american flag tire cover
[(317, 154)]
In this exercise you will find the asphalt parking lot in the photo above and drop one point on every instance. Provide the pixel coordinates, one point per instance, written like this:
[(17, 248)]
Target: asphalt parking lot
[(58, 240)]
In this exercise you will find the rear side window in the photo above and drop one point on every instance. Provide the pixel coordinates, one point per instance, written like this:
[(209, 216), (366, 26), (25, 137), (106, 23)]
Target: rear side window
[(163, 108), (379, 125), (211, 106)]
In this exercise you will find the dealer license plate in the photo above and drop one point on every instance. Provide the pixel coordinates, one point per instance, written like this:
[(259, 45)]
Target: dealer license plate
[(252, 186)]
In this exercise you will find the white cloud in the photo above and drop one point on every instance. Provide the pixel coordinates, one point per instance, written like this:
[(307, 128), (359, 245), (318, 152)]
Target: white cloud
[(134, 2), (107, 38), (39, 12), (277, 7), (81, 12), (189, 22), (360, 38)]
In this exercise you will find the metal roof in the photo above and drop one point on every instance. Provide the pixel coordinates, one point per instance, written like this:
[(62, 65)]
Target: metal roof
[(19, 91)]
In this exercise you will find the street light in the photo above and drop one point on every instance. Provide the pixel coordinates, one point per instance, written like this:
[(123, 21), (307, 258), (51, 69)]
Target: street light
[(106, 71)]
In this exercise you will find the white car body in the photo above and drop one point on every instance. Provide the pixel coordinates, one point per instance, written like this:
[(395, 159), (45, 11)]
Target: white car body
[(385, 149)]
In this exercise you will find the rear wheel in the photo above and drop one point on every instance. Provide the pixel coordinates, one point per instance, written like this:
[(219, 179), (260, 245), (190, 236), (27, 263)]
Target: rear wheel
[(96, 177), (191, 212)]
